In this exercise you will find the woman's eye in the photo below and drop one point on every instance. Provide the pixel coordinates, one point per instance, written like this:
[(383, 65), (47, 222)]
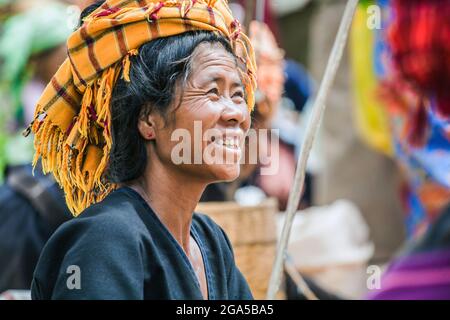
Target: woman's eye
[(213, 91), (238, 94)]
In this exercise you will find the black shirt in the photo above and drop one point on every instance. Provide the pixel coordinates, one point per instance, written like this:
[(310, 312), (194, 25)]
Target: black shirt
[(24, 230), (119, 249)]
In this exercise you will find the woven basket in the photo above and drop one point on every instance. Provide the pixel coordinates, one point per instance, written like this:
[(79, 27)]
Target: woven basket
[(252, 232)]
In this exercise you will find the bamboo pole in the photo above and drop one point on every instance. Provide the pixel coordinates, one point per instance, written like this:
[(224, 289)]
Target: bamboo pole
[(311, 132), (297, 278)]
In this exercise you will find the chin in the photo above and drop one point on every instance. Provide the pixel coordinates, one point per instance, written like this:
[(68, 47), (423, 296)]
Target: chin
[(226, 173)]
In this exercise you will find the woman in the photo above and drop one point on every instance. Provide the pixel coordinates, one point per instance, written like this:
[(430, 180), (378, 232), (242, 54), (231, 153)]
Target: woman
[(138, 71)]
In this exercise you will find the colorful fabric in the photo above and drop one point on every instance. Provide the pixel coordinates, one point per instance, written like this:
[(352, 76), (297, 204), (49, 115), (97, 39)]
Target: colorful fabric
[(419, 128), (426, 169), (422, 272), (72, 124), (371, 117), (23, 35), (421, 56), (417, 277)]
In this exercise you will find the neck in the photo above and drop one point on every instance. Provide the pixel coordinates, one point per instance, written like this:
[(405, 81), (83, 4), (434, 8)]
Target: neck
[(172, 196)]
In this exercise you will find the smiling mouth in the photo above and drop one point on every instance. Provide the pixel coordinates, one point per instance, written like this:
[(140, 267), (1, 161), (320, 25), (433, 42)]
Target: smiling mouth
[(230, 142)]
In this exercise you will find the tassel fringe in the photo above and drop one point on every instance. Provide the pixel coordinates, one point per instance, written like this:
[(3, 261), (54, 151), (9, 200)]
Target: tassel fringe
[(79, 158)]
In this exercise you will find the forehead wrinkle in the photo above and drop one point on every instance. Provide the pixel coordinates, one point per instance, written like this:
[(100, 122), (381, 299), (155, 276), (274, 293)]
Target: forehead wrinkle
[(215, 53), (212, 56), (234, 84), (214, 62), (217, 72)]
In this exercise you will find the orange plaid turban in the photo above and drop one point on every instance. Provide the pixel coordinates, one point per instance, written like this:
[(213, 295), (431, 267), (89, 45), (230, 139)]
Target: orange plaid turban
[(72, 123)]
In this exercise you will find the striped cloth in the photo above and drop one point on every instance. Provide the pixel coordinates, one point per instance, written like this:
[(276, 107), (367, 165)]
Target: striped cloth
[(72, 124), (421, 276), (423, 271)]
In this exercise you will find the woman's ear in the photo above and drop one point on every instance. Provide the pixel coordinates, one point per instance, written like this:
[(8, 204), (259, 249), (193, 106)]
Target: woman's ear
[(146, 127)]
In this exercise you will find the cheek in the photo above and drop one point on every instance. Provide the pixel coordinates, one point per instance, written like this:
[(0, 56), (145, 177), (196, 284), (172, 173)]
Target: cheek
[(200, 109), (164, 143), (191, 121)]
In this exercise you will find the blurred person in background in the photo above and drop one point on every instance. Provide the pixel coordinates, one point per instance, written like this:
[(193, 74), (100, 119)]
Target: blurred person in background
[(32, 46), (31, 49), (415, 88), (5, 10)]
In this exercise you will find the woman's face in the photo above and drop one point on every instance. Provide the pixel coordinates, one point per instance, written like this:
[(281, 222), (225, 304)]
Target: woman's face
[(210, 119)]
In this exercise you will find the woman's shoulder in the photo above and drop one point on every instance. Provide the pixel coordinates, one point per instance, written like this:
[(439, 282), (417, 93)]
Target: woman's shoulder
[(118, 211), (108, 225), (104, 238), (113, 220)]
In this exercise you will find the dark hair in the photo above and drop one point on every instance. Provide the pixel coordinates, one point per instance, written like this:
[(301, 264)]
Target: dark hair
[(154, 75), (88, 10)]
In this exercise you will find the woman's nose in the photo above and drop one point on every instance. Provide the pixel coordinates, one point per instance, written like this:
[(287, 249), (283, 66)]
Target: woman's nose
[(235, 114)]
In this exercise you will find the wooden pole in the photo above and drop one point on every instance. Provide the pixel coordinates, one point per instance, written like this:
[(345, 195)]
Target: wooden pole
[(311, 132)]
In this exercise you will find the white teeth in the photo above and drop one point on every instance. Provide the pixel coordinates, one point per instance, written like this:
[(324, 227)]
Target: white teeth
[(228, 142)]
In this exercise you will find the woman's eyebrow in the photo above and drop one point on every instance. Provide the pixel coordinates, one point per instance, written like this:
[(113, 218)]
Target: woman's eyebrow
[(236, 83)]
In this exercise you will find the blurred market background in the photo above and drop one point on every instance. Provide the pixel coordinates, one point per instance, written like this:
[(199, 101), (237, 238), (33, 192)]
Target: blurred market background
[(378, 180)]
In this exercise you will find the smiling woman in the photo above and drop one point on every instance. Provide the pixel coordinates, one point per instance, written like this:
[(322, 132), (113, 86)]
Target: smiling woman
[(137, 236)]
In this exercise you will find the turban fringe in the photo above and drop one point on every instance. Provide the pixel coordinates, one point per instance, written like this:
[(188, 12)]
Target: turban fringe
[(72, 120)]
